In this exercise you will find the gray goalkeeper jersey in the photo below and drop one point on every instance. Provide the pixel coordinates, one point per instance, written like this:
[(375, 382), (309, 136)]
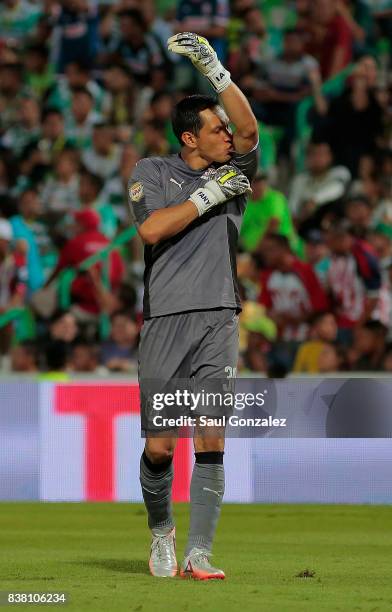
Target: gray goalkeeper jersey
[(196, 269)]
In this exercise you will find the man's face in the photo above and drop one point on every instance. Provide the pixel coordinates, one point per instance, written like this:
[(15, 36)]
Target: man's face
[(327, 328), (131, 31), (21, 360), (214, 141), (323, 11), (319, 158), (359, 214), (65, 328), (102, 139), (272, 253), (293, 45), (81, 106), (53, 126), (30, 204), (339, 243)]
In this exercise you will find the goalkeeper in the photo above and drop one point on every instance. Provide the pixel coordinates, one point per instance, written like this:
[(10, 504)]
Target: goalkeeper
[(188, 210)]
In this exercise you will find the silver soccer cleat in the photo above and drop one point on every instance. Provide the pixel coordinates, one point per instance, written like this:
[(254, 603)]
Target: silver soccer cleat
[(163, 562), (197, 565)]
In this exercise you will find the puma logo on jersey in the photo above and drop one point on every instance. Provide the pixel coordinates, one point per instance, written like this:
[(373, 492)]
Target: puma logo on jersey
[(172, 180)]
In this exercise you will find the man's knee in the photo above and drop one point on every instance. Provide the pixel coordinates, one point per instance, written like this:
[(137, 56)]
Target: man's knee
[(159, 450), (206, 441)]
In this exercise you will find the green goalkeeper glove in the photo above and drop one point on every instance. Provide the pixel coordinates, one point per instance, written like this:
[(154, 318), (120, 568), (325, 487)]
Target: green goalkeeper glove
[(228, 182), (202, 56)]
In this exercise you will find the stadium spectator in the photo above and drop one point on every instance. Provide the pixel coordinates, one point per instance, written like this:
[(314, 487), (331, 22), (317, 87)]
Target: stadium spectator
[(60, 191), (18, 19), (323, 331), (317, 191), (139, 51), (63, 326), (266, 211), (354, 122), (330, 38), (353, 279), (124, 96), (82, 118), (367, 351), (56, 361), (28, 227), (27, 128), (317, 254), (115, 188), (154, 139), (88, 240), (330, 359), (24, 357), (75, 33), (53, 138), (83, 358), (279, 84), (381, 241), (13, 277), (39, 73), (207, 19), (103, 157), (291, 293), (12, 91), (358, 211), (245, 33), (119, 353), (77, 75), (90, 188), (12, 274)]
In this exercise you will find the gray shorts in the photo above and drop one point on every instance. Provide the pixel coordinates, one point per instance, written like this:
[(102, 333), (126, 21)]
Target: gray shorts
[(192, 347)]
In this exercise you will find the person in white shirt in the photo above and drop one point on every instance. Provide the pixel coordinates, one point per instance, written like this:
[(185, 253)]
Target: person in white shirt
[(321, 184)]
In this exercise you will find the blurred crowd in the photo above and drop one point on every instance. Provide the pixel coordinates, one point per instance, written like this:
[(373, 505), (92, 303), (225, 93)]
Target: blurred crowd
[(87, 88)]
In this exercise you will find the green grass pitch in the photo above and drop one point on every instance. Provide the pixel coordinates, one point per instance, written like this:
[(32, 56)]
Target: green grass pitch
[(97, 553)]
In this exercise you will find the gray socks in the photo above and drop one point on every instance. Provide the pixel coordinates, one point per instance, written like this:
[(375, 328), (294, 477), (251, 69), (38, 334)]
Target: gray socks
[(156, 480), (207, 489)]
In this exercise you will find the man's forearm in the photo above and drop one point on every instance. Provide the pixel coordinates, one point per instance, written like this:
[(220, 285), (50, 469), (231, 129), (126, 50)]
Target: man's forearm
[(168, 222), (241, 116)]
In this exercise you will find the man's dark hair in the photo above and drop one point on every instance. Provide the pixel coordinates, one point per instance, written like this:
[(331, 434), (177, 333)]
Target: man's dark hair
[(122, 313), (82, 90), (51, 111), (186, 117), (94, 179), (280, 240), (135, 15), (57, 315), (376, 327), (82, 65), (316, 317)]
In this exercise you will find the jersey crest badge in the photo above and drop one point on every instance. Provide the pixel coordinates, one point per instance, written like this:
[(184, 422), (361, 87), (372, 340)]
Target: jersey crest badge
[(136, 192)]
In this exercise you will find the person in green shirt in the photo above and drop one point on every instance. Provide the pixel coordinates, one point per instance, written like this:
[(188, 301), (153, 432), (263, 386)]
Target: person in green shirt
[(267, 211)]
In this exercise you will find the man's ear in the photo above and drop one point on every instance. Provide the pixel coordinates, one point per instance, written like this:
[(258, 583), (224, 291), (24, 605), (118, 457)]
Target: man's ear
[(189, 140)]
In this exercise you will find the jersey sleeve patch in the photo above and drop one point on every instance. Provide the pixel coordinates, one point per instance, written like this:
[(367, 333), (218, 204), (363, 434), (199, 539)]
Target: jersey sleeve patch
[(136, 191)]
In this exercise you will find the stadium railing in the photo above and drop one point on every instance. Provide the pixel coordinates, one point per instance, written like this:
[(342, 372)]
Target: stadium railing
[(23, 317)]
